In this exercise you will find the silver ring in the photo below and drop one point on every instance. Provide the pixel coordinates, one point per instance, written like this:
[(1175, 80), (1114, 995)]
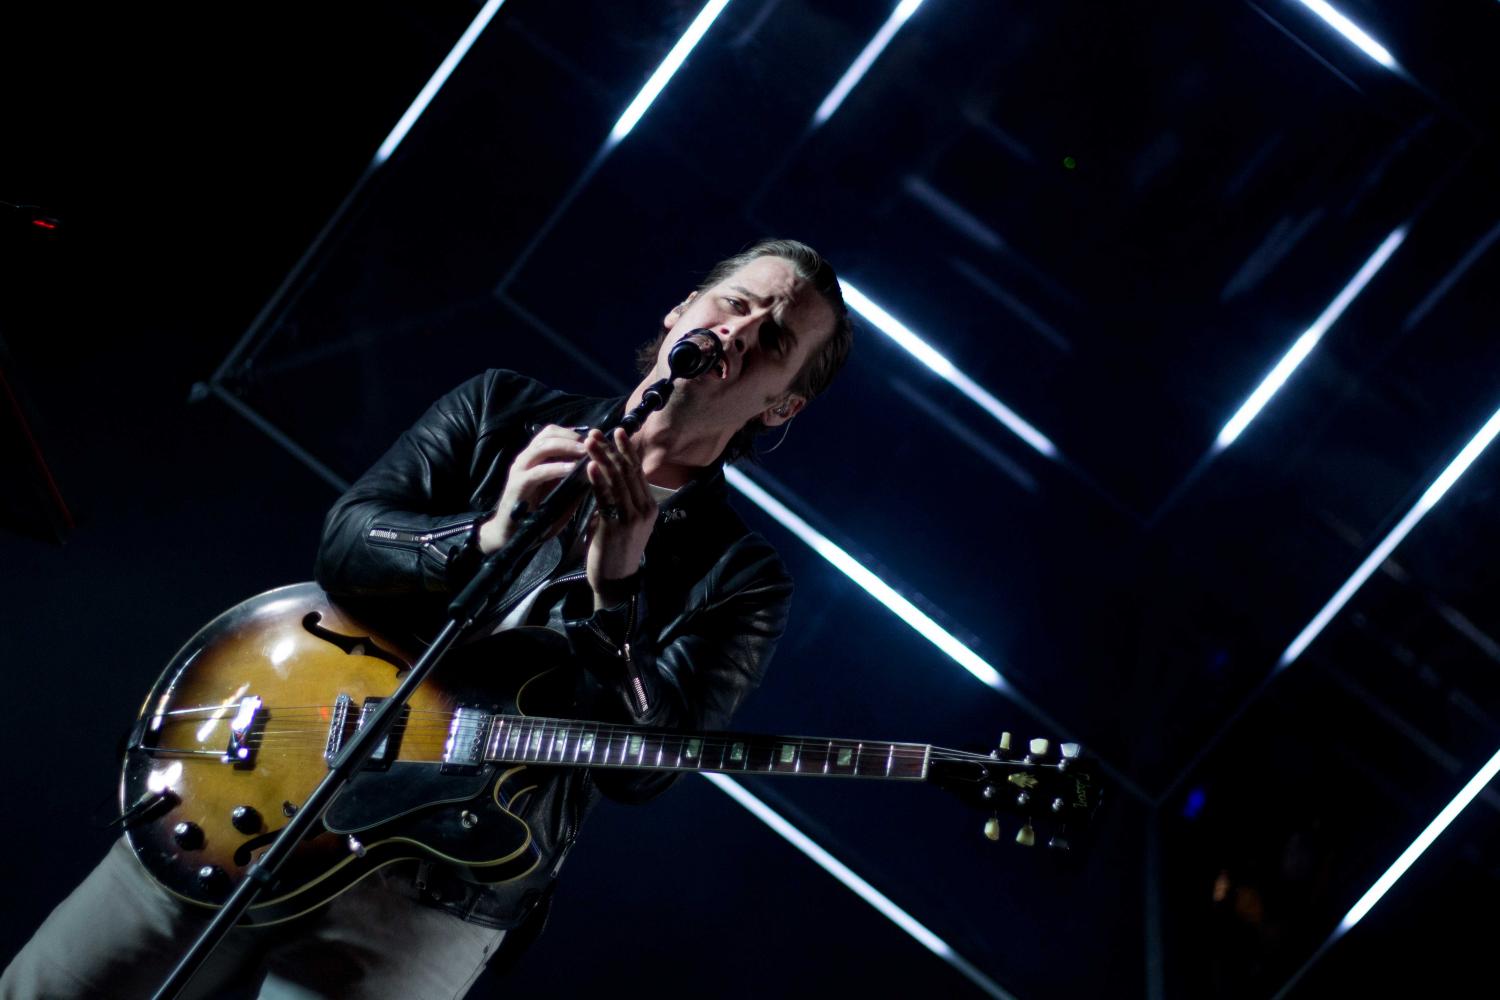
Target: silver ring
[(609, 511)]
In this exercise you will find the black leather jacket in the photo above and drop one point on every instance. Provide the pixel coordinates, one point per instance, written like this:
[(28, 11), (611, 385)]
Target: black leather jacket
[(711, 602)]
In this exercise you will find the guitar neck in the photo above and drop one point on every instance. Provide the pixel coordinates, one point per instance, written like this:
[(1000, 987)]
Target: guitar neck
[(522, 739)]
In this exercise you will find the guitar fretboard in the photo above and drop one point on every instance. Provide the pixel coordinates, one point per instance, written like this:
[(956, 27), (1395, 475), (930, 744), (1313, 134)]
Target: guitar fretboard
[(521, 739)]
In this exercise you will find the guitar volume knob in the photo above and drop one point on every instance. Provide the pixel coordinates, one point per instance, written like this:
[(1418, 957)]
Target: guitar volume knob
[(212, 880), (189, 836), (245, 819)]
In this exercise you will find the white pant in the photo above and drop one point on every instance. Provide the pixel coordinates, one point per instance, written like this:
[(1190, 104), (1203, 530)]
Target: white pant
[(118, 935)]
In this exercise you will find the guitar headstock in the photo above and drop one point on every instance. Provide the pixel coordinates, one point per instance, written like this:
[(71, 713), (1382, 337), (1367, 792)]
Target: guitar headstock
[(1050, 786)]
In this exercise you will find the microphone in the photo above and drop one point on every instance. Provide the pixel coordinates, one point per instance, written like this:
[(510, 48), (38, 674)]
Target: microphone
[(695, 353)]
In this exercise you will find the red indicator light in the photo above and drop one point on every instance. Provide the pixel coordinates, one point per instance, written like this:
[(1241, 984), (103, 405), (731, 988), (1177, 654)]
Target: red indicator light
[(43, 224)]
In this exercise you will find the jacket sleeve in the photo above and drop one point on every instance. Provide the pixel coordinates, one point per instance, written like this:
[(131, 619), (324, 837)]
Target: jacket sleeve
[(700, 676), (402, 527)]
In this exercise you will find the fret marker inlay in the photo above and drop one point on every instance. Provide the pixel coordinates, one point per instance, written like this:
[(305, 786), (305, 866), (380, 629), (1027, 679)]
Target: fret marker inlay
[(692, 748), (737, 752), (846, 756), (788, 753)]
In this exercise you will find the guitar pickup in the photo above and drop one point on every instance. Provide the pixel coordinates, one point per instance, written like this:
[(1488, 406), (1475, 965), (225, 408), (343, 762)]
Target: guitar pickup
[(344, 724), (390, 744), (240, 752), (463, 753)]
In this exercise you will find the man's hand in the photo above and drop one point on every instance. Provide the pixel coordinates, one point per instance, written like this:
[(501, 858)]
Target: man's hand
[(627, 513), (540, 466)]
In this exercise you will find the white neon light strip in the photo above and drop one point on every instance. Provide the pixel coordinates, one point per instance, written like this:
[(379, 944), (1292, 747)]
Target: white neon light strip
[(923, 352), (861, 65), (1305, 343), (454, 57), (876, 587), (1411, 854), (669, 66), (859, 886), (1429, 499), (1351, 31)]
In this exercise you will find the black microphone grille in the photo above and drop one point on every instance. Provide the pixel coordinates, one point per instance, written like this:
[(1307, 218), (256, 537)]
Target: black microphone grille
[(694, 353)]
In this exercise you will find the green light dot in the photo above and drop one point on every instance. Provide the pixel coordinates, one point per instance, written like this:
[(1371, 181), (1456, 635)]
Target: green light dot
[(1069, 162)]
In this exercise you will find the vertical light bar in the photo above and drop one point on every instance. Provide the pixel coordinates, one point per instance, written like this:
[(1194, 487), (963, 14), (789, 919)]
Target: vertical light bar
[(435, 83), (1411, 854), (1351, 31), (862, 64), (1305, 343), (668, 67), (923, 352), (873, 585), (1429, 499), (857, 885)]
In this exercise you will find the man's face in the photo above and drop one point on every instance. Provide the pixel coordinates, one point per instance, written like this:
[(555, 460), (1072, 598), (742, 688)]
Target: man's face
[(770, 322)]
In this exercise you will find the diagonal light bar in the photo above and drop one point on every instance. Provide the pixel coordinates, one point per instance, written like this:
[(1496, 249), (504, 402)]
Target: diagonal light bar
[(859, 886), (1351, 31), (923, 352), (1429, 499), (1411, 854), (866, 59), (876, 587), (670, 65), (1406, 860), (435, 83), (1305, 343)]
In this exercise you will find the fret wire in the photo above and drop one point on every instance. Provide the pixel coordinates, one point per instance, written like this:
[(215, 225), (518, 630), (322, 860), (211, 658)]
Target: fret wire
[(523, 737)]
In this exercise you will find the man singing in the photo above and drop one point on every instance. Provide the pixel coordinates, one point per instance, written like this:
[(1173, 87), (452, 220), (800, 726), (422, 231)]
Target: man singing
[(669, 607)]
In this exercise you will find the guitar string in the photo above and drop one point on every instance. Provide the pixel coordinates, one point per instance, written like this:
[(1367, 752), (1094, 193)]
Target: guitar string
[(315, 713), (573, 732), (602, 729), (609, 733), (572, 753)]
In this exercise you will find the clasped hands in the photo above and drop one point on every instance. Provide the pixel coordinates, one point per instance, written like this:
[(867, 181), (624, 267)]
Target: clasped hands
[(622, 523)]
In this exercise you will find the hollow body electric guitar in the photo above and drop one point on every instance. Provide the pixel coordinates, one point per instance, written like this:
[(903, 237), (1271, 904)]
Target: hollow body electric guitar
[(248, 716)]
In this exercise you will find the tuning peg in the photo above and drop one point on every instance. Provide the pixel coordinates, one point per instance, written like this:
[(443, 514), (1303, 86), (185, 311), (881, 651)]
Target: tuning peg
[(1040, 747), (1022, 798), (1026, 836), (987, 792), (1070, 753), (992, 828), (1005, 741), (1059, 844), (1057, 805)]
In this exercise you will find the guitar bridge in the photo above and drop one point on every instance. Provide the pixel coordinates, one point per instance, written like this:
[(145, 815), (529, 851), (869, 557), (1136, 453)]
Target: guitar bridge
[(239, 752), (338, 727)]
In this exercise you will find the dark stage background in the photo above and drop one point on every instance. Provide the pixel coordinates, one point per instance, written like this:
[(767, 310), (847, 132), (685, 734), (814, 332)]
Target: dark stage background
[(1114, 219)]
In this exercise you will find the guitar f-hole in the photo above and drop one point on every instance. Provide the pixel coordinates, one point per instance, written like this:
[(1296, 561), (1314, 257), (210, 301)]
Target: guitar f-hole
[(352, 645)]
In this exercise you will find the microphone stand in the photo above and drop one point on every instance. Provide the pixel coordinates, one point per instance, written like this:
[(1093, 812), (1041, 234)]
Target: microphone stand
[(692, 355)]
